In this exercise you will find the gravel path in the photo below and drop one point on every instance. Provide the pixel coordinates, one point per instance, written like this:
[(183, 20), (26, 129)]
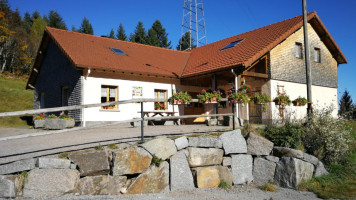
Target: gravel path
[(236, 193)]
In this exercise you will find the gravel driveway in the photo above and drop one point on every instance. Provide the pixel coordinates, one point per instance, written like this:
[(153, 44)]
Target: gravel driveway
[(237, 192)]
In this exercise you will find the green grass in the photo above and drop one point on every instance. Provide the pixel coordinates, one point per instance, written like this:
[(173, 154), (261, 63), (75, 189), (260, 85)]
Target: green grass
[(341, 182), (270, 187), (224, 185), (13, 97)]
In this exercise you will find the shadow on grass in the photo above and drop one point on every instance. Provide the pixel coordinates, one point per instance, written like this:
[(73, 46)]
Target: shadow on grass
[(28, 120)]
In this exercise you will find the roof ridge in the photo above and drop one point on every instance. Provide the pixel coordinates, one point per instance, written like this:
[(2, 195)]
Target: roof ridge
[(47, 27)]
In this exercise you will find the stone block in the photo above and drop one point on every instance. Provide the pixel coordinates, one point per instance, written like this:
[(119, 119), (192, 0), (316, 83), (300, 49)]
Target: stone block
[(207, 177), (101, 185), (91, 163), (163, 147), (18, 166), (227, 161), (38, 123), (213, 142), (233, 142), (287, 152), (320, 170), (241, 168), (181, 142), (225, 175), (7, 187), (258, 145), (310, 159), (290, 172), (180, 174), (263, 171), (204, 156), (131, 160), (49, 183), (55, 124), (272, 158), (53, 163), (154, 180)]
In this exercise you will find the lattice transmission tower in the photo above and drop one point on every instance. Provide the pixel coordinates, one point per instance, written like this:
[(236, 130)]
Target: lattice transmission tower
[(193, 23)]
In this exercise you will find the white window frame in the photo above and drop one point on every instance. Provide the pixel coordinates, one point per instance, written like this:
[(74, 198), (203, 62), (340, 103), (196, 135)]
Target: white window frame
[(108, 96), (317, 55), (298, 50)]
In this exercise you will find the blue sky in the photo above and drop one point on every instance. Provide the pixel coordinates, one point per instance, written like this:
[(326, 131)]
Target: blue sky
[(223, 18)]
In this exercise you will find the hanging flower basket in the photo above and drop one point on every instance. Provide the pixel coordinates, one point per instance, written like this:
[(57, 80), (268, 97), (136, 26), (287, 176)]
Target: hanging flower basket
[(300, 101), (209, 97), (179, 98), (239, 97), (282, 99), (261, 99)]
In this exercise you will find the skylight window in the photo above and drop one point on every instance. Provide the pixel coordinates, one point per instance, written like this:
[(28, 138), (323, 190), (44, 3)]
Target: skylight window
[(232, 44), (118, 51)]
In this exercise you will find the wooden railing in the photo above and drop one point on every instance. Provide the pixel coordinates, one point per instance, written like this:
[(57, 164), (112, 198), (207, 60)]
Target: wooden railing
[(141, 101)]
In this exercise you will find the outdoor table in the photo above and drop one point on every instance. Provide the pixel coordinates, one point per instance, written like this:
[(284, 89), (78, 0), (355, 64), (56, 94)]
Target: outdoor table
[(160, 113)]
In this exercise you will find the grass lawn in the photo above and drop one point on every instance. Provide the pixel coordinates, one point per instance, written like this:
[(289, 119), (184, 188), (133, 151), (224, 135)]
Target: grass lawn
[(13, 97), (341, 182)]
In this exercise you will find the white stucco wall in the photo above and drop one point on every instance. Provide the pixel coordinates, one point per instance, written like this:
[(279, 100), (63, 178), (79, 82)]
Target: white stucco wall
[(92, 94), (322, 97)]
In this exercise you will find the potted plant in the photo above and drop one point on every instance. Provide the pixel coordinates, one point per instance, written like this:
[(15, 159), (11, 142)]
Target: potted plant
[(300, 101), (282, 99), (261, 99), (68, 120), (180, 98), (209, 96), (238, 97), (39, 121), (160, 106), (52, 122), (245, 89)]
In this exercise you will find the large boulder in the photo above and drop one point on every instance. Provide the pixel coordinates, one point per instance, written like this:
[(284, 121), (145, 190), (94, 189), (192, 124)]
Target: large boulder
[(101, 185), (18, 166), (204, 157), (258, 145), (131, 160), (53, 163), (241, 168), (181, 142), (290, 172), (154, 180), (207, 177), (91, 163), (50, 183), (311, 159), (7, 187), (287, 152), (263, 171), (233, 142), (163, 147), (180, 174), (320, 170), (213, 142)]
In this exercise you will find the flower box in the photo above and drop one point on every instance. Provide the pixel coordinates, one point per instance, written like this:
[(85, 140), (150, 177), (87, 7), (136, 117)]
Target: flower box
[(38, 123), (69, 123), (55, 124)]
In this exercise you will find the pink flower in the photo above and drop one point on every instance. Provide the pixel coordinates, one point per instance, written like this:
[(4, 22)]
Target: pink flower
[(203, 90), (232, 101)]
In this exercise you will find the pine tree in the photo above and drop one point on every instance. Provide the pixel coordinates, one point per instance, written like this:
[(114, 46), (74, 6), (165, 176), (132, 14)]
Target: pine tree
[(56, 21), (157, 36), (121, 35), (112, 34), (35, 15), (346, 107), (184, 42), (86, 27), (140, 35)]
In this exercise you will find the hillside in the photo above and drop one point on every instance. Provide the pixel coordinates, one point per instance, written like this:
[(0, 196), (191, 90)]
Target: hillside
[(13, 97)]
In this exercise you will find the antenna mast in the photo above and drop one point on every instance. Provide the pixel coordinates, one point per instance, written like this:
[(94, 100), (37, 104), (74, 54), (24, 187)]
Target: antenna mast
[(193, 22)]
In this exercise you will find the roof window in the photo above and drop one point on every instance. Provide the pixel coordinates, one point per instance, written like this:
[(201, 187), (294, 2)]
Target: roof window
[(232, 44), (118, 51)]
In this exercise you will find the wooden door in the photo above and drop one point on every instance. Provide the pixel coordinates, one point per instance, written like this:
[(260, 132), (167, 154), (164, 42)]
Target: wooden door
[(255, 113)]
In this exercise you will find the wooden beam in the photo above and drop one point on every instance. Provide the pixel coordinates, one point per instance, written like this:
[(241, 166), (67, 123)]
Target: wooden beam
[(254, 74)]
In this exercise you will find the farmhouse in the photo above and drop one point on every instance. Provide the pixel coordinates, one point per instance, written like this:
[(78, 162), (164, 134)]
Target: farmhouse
[(73, 69)]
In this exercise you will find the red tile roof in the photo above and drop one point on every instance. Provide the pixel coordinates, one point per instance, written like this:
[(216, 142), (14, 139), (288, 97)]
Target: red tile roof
[(88, 51)]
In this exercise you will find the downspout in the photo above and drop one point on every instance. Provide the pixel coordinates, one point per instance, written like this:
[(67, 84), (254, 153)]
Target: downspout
[(83, 83), (236, 105)]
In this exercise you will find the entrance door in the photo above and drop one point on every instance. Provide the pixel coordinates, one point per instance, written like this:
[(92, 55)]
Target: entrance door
[(255, 113)]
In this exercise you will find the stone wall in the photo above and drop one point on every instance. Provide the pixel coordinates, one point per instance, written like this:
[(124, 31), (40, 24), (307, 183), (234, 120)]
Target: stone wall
[(160, 165)]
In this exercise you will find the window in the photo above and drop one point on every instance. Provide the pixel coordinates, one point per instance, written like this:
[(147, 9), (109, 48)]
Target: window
[(317, 56), (298, 50), (118, 51), (232, 44), (108, 94), (160, 94)]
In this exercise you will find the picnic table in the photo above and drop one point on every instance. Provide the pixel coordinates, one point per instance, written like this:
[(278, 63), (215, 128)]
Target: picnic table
[(160, 113)]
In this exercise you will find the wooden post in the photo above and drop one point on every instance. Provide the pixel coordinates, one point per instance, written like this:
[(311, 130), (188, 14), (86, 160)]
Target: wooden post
[(142, 124)]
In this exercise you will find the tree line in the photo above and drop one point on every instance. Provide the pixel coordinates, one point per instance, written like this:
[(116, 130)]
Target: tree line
[(20, 37), (347, 109)]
